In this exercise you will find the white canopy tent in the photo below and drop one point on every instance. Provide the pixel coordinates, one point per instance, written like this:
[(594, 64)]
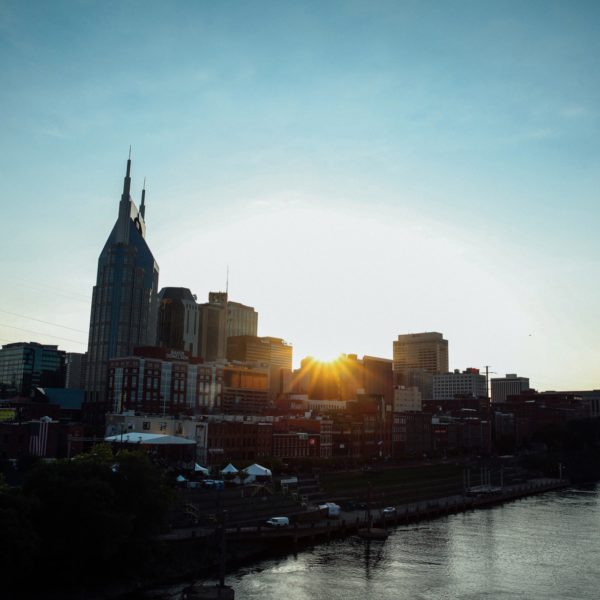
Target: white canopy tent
[(199, 469), (229, 470), (258, 470), (253, 472)]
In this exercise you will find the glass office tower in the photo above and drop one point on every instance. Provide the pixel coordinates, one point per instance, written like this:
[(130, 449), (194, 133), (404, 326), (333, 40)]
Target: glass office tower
[(124, 300)]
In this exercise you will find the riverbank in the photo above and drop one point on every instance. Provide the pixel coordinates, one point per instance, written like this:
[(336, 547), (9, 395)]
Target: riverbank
[(350, 521), (541, 547), (178, 560), (196, 557)]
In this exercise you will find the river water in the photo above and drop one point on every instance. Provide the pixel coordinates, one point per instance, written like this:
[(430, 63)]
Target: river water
[(544, 547)]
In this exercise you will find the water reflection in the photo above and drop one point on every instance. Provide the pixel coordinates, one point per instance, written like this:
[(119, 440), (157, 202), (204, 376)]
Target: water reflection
[(544, 547)]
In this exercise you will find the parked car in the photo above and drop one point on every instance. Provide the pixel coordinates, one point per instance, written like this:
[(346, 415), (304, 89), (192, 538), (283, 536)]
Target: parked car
[(278, 522), (215, 484), (388, 511)]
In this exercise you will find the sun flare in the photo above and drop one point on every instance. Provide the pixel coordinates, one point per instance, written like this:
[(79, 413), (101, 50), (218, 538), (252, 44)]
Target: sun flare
[(327, 359)]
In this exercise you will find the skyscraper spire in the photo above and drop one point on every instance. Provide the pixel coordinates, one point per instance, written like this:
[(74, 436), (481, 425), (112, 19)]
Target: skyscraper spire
[(143, 204), (127, 180), (125, 206)]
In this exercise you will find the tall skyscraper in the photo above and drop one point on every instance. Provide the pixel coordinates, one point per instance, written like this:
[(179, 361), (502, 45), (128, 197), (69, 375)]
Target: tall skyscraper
[(241, 319), (427, 351), (178, 320), (212, 333), (417, 358), (221, 319), (124, 300)]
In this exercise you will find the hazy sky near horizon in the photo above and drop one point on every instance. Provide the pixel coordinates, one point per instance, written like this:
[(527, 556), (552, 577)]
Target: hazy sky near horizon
[(364, 168)]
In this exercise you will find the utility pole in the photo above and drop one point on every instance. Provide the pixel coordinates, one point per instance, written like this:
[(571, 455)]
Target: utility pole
[(487, 380)]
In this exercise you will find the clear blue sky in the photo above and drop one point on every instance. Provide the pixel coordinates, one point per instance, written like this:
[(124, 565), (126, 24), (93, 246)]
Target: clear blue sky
[(365, 168)]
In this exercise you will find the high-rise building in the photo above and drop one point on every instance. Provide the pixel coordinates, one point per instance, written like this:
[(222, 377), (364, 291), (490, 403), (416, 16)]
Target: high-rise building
[(212, 331), (271, 351), (417, 358), (178, 320), (124, 300), (427, 351), (221, 319), (511, 385), (241, 320), (24, 365), (468, 383), (76, 365)]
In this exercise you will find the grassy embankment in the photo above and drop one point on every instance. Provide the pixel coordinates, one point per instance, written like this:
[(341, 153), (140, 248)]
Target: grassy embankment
[(394, 485)]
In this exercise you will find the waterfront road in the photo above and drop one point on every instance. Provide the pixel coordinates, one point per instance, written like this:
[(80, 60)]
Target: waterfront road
[(404, 512)]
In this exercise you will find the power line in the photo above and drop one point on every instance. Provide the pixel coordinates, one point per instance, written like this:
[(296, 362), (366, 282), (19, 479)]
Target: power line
[(41, 321), (42, 333), (40, 286)]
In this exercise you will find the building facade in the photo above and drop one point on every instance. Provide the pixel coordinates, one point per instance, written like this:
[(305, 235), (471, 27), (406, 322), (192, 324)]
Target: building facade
[(468, 383), (241, 320), (270, 351), (76, 368), (427, 351), (407, 399), (212, 333), (124, 299), (161, 381), (24, 365), (411, 434), (178, 320), (511, 385), (245, 390)]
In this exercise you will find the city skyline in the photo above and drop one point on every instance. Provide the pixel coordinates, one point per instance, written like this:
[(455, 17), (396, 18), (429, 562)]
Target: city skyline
[(355, 195)]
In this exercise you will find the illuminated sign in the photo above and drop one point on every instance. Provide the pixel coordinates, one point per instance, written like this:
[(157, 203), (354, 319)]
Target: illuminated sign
[(8, 414)]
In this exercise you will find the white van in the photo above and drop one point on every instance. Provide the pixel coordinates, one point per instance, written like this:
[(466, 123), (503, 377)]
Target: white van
[(278, 522)]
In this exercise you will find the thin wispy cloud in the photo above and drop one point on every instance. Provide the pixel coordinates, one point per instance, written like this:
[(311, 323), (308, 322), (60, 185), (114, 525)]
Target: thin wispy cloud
[(577, 112)]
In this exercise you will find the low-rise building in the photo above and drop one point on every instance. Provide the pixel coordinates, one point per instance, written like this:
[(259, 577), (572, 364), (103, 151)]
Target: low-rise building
[(407, 399), (511, 385), (448, 385), (411, 434)]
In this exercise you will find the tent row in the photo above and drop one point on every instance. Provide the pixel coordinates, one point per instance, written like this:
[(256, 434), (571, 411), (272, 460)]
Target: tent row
[(247, 475)]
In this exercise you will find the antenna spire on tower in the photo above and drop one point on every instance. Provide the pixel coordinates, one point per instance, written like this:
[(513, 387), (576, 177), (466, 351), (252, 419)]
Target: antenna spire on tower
[(227, 282), (143, 204), (127, 181)]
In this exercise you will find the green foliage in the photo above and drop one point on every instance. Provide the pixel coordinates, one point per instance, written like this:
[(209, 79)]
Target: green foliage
[(19, 542), (83, 521)]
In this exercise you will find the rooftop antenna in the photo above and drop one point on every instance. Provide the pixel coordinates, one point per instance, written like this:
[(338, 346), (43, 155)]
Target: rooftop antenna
[(143, 205), (129, 151), (227, 282)]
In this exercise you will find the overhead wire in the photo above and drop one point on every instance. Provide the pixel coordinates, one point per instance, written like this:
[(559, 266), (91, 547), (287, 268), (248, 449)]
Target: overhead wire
[(44, 334), (76, 296), (42, 321)]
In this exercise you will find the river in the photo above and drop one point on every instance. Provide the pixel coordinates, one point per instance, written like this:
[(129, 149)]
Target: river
[(544, 547)]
